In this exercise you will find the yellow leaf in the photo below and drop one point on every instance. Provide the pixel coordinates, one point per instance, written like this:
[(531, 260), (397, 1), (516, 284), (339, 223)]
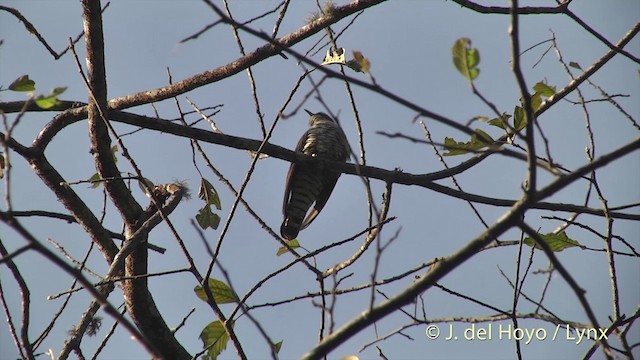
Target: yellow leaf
[(363, 63), (335, 56)]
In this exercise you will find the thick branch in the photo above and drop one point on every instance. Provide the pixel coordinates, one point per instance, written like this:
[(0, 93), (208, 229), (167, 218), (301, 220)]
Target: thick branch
[(140, 304), (98, 127), (244, 62), (71, 201)]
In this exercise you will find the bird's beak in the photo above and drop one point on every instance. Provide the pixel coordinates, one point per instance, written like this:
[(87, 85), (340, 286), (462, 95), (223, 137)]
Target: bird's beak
[(309, 112)]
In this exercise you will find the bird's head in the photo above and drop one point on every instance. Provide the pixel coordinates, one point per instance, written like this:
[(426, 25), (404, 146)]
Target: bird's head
[(318, 118)]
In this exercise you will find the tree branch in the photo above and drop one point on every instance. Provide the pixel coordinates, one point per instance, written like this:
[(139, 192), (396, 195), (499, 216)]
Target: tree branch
[(446, 265), (562, 8), (140, 304)]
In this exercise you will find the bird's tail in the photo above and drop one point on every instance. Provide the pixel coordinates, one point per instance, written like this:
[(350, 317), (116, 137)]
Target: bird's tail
[(289, 229)]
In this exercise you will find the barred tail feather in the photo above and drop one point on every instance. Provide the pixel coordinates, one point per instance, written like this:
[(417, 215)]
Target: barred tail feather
[(289, 230), (309, 184)]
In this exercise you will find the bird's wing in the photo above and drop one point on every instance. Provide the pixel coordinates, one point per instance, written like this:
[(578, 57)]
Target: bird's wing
[(292, 173), (327, 189)]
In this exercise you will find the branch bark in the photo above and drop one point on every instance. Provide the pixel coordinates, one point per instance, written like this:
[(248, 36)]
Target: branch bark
[(139, 301)]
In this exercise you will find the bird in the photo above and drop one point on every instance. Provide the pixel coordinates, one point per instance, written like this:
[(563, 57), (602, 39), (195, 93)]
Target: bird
[(307, 184)]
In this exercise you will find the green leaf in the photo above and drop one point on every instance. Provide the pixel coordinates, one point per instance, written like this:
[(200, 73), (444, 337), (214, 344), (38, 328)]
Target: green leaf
[(482, 138), (51, 100), (23, 83), (277, 346), (221, 292), (557, 242), (454, 147), (95, 180), (544, 89), (536, 101), (215, 338), (501, 121), (519, 118), (575, 65), (465, 58), (209, 194), (294, 243), (359, 63), (478, 141), (207, 219)]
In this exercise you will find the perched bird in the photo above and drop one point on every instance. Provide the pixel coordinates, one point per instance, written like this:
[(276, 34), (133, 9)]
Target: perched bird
[(307, 184)]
